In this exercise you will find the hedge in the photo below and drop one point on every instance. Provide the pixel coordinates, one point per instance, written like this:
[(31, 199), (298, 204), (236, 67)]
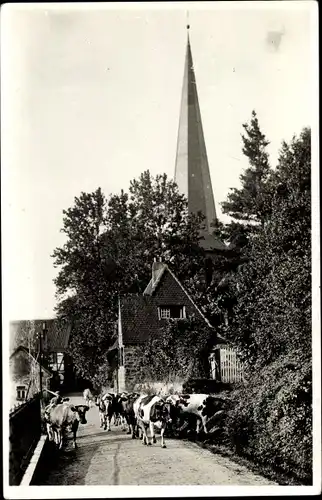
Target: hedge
[(270, 419)]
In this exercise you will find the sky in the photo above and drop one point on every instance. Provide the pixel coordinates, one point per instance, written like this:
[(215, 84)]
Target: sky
[(91, 97)]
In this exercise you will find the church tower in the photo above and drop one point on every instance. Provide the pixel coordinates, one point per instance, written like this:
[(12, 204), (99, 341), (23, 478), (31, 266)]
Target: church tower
[(191, 169)]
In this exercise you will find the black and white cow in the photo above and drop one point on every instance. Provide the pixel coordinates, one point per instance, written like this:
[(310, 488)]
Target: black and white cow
[(105, 405), (127, 401), (151, 412), (119, 416), (204, 407)]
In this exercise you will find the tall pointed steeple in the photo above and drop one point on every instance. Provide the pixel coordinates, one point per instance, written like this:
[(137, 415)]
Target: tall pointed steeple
[(192, 170)]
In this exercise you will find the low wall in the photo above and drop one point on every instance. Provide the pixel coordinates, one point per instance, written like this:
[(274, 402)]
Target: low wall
[(24, 435), (44, 463), (36, 462)]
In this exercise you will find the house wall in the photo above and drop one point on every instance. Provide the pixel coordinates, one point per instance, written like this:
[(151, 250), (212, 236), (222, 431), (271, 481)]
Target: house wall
[(24, 371), (131, 372)]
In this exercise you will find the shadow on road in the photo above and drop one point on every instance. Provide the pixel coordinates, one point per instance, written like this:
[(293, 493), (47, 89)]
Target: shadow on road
[(66, 467)]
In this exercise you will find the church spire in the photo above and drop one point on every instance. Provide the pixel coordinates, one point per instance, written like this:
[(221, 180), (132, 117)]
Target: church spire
[(192, 170)]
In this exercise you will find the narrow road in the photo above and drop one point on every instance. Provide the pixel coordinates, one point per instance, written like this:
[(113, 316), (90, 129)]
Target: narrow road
[(113, 458)]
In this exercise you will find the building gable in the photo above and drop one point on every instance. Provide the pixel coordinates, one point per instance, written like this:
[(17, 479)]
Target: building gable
[(170, 293), (142, 316)]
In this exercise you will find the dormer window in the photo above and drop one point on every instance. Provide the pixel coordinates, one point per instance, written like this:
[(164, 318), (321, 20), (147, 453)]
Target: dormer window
[(172, 312)]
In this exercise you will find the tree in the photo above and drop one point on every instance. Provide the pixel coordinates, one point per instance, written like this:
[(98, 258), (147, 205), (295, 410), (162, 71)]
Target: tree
[(272, 312), (81, 288), (249, 206), (109, 251), (249, 203), (22, 333), (149, 222)]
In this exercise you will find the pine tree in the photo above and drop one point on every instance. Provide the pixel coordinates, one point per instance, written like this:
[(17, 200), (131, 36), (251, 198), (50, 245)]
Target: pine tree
[(272, 314), (249, 206)]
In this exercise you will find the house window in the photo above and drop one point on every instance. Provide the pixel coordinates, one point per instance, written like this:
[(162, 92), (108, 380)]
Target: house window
[(164, 313), (21, 392), (173, 312)]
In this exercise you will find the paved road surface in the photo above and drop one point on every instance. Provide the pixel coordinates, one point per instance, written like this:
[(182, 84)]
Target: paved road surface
[(113, 458)]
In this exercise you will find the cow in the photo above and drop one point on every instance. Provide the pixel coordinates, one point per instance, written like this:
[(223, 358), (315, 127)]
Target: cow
[(119, 417), (127, 402), (203, 406), (105, 405), (88, 397), (152, 411), (64, 417)]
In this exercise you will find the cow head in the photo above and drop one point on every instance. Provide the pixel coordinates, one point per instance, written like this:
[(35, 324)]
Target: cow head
[(81, 410), (184, 400), (133, 396), (161, 411)]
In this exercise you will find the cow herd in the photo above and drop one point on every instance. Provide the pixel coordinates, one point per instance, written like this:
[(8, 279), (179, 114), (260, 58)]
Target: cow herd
[(140, 414)]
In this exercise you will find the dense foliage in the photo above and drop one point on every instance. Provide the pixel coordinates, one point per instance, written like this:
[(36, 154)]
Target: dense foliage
[(272, 291), (268, 302), (109, 250), (179, 352), (270, 420)]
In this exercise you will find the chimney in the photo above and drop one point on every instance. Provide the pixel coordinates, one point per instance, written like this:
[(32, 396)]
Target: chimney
[(156, 268)]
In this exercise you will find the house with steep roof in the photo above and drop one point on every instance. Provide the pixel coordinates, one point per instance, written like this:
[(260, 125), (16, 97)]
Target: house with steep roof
[(55, 336), (25, 376), (142, 317)]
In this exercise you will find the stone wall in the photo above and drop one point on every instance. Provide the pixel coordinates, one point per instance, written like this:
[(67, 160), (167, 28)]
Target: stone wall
[(130, 367)]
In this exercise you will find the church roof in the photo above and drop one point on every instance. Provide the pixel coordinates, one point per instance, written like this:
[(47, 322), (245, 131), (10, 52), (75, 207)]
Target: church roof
[(192, 173), (210, 242)]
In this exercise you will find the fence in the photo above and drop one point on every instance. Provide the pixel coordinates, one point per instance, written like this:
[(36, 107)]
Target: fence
[(231, 368), (24, 433)]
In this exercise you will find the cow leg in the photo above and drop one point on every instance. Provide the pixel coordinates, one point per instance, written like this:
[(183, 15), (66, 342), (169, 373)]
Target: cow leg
[(50, 432), (60, 439), (153, 438), (129, 424), (101, 419), (109, 418), (204, 422), (74, 429), (162, 436), (56, 437), (132, 431), (145, 439), (198, 426)]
